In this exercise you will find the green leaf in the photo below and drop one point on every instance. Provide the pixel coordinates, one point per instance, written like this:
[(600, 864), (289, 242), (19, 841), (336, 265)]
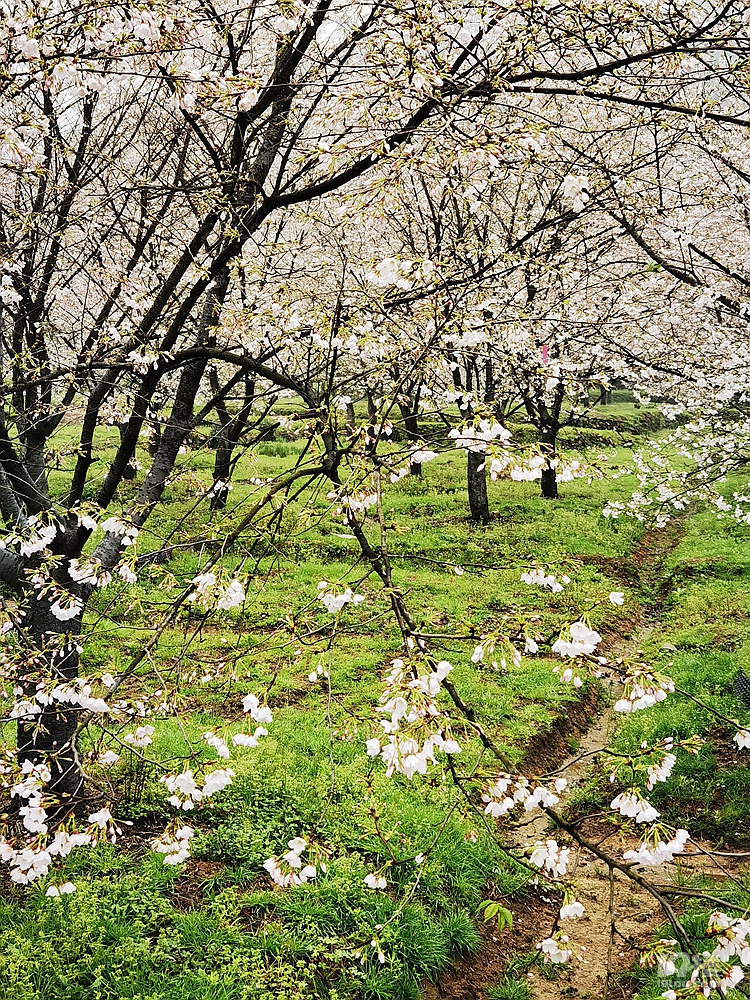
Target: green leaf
[(489, 909)]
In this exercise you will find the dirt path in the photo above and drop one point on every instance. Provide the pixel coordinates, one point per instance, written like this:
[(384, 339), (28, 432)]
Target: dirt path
[(599, 951), (619, 916)]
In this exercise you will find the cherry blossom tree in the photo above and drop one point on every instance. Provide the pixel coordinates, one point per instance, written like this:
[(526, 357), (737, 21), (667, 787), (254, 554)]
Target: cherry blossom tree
[(144, 150), (158, 163)]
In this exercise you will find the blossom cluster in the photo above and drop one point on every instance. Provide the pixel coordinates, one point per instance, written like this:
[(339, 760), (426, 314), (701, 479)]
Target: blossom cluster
[(60, 890), (556, 949), (575, 191), (31, 788), (499, 657), (581, 641), (258, 713), (250, 740), (401, 272), (176, 847), (261, 714), (714, 973), (76, 693), (478, 436), (17, 153), (185, 792), (33, 862), (661, 769), (185, 789), (571, 908), (415, 726), (373, 881), (417, 456), (124, 530), (37, 536), (210, 592), (289, 869), (508, 791), (642, 689), (578, 640), (654, 851), (334, 602), (525, 469), (631, 804), (89, 571), (537, 577), (550, 856), (91, 61), (141, 738), (353, 503), (731, 935)]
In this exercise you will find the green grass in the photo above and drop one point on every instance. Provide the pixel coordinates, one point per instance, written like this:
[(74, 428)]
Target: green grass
[(702, 640), (510, 989), (126, 935)]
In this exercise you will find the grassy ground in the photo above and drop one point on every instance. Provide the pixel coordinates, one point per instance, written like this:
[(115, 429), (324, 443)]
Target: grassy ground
[(702, 639), (218, 929)]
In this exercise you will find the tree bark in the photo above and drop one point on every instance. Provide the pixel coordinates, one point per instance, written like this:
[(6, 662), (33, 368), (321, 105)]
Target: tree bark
[(222, 475), (230, 432), (476, 481), (223, 457), (51, 737), (548, 442), (129, 472), (351, 417), (410, 414)]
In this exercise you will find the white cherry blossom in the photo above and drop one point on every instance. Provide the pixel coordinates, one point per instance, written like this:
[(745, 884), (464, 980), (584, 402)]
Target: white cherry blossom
[(375, 882), (556, 950), (549, 855)]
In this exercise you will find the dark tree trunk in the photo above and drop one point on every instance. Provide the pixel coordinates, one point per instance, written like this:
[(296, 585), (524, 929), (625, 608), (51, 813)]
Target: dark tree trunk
[(222, 474), (223, 457), (489, 382), (51, 737), (154, 440), (548, 442), (411, 423), (476, 481), (410, 416), (231, 430), (351, 416), (129, 472)]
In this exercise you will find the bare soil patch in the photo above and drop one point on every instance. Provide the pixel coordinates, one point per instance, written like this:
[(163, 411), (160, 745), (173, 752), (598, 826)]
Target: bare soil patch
[(467, 978), (188, 893)]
